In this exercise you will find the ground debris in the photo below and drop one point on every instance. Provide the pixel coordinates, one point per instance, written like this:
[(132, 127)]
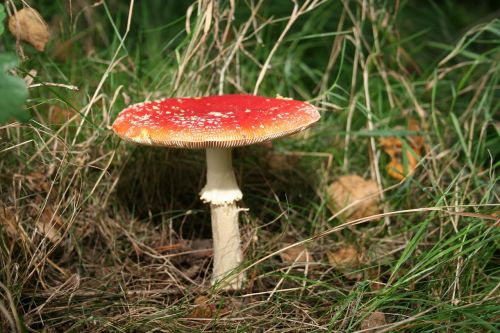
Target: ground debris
[(373, 321), (29, 26), (192, 255), (346, 260), (38, 182), (49, 224), (380, 253), (59, 115), (394, 147), (296, 254), (345, 257), (205, 307), (197, 248), (9, 222), (348, 190)]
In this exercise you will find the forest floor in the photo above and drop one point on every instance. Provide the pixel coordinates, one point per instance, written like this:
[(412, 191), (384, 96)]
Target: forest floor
[(382, 217)]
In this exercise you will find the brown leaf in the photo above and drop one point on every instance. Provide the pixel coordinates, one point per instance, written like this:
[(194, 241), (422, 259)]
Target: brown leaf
[(373, 321), (8, 221), (204, 308), (296, 254), (395, 169), (345, 257), (393, 146), (346, 260), (60, 115), (376, 285), (38, 182), (29, 26), (349, 189), (416, 141), (49, 224)]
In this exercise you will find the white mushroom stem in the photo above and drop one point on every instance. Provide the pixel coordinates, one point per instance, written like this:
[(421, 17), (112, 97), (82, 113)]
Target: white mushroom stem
[(221, 187), (222, 192)]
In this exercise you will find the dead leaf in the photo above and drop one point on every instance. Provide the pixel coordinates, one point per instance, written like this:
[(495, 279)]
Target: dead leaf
[(373, 321), (60, 115), (395, 169), (376, 285), (38, 182), (393, 146), (10, 218), (9, 221), (346, 260), (204, 308), (349, 189), (345, 257), (296, 254), (29, 26), (49, 224), (416, 141)]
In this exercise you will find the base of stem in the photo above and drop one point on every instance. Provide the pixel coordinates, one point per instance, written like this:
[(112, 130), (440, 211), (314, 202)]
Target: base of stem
[(226, 246)]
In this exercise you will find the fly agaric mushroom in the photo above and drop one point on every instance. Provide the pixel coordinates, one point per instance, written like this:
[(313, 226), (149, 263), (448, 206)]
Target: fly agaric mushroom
[(217, 124)]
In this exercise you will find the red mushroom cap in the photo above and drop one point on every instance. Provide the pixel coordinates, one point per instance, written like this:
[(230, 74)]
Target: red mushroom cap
[(213, 121)]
